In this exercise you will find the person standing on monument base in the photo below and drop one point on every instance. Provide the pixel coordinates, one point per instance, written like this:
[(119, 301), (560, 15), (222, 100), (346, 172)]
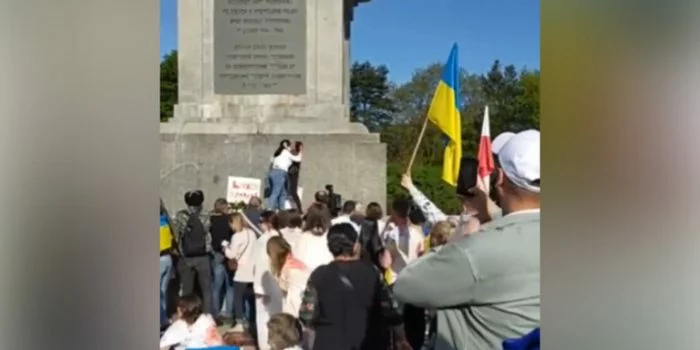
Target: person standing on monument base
[(293, 171), (278, 177)]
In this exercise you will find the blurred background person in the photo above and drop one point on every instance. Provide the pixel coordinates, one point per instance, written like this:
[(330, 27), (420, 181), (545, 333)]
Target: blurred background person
[(285, 332), (345, 216), (253, 210), (374, 212), (222, 277), (405, 243)]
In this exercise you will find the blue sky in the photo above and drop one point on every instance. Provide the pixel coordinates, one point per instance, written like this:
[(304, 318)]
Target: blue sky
[(409, 34)]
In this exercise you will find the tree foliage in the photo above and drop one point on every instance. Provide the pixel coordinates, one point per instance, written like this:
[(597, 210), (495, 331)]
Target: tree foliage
[(513, 100), (168, 85), (369, 96)]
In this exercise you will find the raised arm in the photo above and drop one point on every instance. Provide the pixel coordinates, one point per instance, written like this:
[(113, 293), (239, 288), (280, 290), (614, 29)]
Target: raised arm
[(294, 158), (432, 213)]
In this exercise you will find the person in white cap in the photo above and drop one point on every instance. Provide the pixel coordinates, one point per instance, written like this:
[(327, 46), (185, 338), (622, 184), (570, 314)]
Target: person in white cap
[(486, 287)]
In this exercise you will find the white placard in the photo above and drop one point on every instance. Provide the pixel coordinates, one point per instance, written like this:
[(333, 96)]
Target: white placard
[(241, 189)]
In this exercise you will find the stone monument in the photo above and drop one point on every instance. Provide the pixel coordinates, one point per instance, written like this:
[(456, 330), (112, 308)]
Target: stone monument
[(255, 72)]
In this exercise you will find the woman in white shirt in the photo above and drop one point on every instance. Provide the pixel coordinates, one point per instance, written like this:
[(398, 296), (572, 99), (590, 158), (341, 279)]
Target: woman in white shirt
[(278, 177), (192, 329), (240, 250), (268, 296), (312, 246)]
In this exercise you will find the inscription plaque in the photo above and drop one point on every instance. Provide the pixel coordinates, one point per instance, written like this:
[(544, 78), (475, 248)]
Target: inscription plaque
[(259, 47)]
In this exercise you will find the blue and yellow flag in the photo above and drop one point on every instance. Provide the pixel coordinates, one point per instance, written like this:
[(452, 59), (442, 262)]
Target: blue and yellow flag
[(166, 236), (444, 113)]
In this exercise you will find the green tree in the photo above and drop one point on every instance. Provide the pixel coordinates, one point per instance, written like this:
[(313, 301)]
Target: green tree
[(513, 100), (512, 97), (369, 95), (168, 85)]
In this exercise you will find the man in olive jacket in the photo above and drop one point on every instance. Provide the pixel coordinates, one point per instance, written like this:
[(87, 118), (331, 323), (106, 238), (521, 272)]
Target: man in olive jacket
[(486, 286)]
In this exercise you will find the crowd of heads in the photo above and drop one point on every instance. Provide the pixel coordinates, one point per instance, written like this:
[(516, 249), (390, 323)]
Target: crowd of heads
[(515, 186)]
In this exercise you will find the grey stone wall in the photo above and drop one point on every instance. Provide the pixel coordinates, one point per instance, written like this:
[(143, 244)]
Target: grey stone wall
[(354, 163)]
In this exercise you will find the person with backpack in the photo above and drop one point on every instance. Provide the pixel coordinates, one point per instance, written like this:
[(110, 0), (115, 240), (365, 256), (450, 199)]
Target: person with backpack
[(194, 243)]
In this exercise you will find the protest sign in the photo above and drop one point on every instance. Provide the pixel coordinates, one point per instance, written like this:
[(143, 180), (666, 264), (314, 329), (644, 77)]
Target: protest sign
[(241, 189)]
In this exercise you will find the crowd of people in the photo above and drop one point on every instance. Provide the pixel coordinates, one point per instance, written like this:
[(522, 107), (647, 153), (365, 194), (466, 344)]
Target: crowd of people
[(277, 278)]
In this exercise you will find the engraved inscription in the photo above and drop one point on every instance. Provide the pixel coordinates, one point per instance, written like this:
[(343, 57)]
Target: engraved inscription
[(259, 47)]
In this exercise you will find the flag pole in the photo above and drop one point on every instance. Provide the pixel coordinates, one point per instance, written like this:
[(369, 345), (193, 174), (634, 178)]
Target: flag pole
[(415, 149)]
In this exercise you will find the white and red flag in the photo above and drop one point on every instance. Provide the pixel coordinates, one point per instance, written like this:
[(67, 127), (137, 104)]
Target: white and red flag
[(485, 155)]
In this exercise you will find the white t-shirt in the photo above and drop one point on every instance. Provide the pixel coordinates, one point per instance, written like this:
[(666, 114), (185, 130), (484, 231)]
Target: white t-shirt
[(345, 219), (312, 250), (284, 160), (201, 334), (291, 235)]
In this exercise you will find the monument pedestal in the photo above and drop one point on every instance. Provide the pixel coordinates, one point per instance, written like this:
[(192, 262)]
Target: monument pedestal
[(254, 72), (203, 155)]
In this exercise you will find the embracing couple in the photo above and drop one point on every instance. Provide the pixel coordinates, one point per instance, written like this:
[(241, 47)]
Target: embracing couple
[(283, 178)]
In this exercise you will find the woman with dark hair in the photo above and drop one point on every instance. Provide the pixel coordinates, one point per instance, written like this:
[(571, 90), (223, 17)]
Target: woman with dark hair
[(277, 177), (293, 173), (346, 305), (371, 244)]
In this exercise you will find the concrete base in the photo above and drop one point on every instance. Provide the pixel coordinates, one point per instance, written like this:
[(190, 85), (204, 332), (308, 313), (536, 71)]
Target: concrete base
[(203, 155)]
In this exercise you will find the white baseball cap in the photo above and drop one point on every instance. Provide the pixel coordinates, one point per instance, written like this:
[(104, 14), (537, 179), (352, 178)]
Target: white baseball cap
[(500, 141), (519, 159)]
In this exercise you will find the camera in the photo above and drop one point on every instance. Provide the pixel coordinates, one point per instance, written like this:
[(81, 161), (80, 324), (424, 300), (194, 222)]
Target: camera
[(334, 201)]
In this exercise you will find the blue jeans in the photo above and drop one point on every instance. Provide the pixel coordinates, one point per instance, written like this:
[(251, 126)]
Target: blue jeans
[(166, 266), (278, 194), (222, 280)]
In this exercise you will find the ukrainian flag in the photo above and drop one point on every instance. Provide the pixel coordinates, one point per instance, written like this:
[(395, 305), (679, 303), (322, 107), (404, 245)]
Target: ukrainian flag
[(166, 236), (444, 113)]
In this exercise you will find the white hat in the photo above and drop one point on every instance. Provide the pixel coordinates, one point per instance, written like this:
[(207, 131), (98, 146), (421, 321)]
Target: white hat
[(501, 140), (519, 158)]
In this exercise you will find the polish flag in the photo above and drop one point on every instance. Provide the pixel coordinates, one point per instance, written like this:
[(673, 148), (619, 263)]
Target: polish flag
[(485, 155)]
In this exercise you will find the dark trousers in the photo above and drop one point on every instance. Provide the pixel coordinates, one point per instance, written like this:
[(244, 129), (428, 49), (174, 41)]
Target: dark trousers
[(199, 267), (414, 325), (292, 190)]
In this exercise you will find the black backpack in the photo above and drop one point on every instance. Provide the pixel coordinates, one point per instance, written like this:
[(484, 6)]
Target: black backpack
[(194, 239)]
